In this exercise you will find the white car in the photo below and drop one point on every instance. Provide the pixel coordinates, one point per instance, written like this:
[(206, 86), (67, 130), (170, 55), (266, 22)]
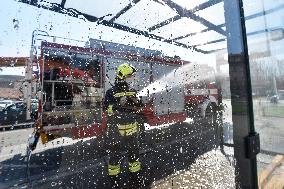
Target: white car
[(5, 103)]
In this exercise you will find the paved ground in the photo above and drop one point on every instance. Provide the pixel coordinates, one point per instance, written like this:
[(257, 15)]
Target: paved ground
[(171, 157), (81, 164)]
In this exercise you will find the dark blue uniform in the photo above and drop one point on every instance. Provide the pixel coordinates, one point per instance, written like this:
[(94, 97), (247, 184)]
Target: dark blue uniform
[(121, 105)]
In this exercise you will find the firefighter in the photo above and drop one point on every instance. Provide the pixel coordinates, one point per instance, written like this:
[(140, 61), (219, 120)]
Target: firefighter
[(122, 107)]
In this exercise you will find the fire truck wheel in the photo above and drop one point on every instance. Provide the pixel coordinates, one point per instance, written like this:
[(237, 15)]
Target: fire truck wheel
[(211, 112), (210, 115), (213, 118)]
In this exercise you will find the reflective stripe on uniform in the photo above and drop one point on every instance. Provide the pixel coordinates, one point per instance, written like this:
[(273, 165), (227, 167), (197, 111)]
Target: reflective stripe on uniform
[(124, 94), (109, 109), (134, 166), (113, 170), (128, 129)]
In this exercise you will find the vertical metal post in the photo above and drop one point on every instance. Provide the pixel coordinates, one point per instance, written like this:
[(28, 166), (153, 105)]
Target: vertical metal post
[(28, 85), (52, 94), (246, 141)]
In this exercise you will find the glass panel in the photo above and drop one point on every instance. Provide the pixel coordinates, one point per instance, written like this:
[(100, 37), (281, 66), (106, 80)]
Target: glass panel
[(125, 94), (266, 63)]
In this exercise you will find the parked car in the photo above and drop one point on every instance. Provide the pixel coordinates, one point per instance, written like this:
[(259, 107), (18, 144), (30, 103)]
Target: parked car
[(16, 113), (274, 99), (5, 103)]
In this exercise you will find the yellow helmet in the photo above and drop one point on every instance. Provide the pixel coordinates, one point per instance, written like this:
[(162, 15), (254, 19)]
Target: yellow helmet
[(124, 70)]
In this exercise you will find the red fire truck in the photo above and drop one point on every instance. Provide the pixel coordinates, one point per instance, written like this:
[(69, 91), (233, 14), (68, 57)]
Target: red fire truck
[(73, 81)]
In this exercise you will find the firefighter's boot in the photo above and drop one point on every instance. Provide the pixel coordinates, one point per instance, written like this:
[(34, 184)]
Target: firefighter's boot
[(134, 166), (135, 179), (113, 170)]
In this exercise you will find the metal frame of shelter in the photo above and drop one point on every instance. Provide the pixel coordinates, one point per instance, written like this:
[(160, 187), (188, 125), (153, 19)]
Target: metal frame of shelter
[(181, 13), (246, 140)]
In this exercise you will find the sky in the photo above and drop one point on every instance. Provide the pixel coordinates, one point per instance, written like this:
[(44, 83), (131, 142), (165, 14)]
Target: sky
[(22, 19), (15, 36)]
